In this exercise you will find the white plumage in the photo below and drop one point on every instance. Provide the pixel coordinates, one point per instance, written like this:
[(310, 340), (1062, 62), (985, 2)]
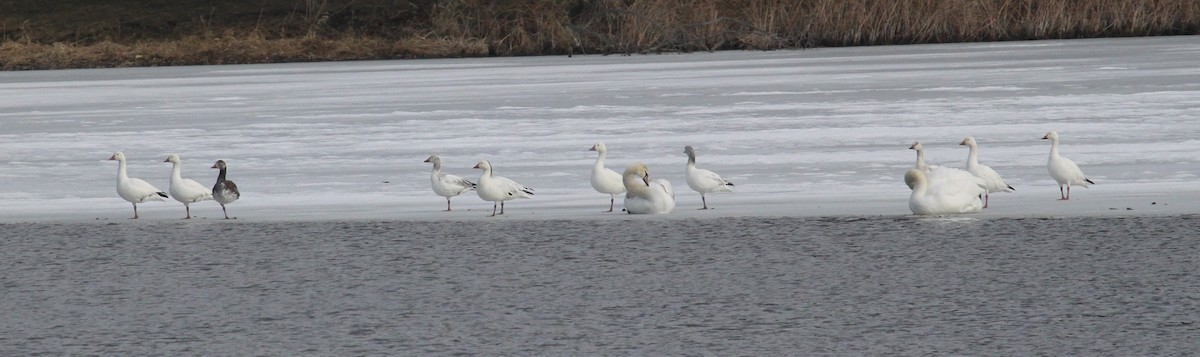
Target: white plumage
[(1063, 170), (186, 191), (991, 179), (920, 161), (498, 189), (605, 180), (134, 190), (703, 181), (645, 196), (943, 190), (447, 185)]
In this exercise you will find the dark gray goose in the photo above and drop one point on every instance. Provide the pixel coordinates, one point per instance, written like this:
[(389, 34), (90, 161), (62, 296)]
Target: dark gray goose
[(225, 191)]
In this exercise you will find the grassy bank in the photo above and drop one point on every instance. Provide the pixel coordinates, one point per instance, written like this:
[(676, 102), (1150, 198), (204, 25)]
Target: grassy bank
[(36, 34)]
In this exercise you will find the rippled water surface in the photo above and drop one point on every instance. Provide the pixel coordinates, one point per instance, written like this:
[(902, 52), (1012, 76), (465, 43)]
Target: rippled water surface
[(733, 286)]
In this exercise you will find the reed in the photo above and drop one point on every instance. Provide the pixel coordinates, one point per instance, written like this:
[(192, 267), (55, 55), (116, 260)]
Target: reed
[(186, 32)]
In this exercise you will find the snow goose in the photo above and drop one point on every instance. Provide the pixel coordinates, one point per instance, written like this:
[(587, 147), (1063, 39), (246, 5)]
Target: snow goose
[(644, 196), (943, 190), (1063, 169), (994, 182), (224, 191), (447, 185), (703, 181), (605, 180), (185, 191), (498, 189), (916, 145), (134, 190)]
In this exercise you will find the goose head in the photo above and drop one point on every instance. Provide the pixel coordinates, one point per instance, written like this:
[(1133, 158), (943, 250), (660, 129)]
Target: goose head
[(969, 141), (639, 170), (119, 156), (483, 165), (436, 160), (1052, 135), (219, 165), (916, 146), (599, 147), (174, 159), (689, 150), (914, 178)]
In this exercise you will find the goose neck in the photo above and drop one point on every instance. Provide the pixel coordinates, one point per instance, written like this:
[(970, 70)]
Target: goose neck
[(221, 175), (121, 173)]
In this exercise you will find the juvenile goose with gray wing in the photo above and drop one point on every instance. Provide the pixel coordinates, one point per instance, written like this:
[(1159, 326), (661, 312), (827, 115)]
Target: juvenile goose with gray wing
[(225, 191)]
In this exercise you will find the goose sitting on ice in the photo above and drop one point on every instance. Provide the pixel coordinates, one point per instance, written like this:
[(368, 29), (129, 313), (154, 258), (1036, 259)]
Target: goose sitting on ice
[(994, 182), (134, 190), (605, 180), (645, 196), (943, 190), (916, 145), (224, 191), (186, 191), (498, 189), (703, 181), (1063, 169), (447, 185)]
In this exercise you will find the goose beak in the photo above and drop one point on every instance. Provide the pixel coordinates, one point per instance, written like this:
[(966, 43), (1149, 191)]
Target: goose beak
[(913, 147), (476, 166), (1047, 136), (964, 142), (167, 160), (114, 157), (593, 148), (426, 160), (214, 166)]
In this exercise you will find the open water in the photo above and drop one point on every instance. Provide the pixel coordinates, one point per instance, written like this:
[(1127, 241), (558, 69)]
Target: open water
[(732, 286)]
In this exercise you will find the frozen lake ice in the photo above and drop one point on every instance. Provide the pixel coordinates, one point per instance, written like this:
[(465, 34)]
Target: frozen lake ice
[(802, 133)]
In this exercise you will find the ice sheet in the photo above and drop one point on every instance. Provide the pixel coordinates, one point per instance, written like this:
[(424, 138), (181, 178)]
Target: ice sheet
[(801, 133)]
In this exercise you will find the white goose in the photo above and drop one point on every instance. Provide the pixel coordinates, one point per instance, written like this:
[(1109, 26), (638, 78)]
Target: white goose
[(605, 180), (498, 189), (644, 196), (994, 182), (185, 191), (703, 181), (916, 145), (944, 190), (134, 190), (224, 191), (447, 185), (1063, 169)]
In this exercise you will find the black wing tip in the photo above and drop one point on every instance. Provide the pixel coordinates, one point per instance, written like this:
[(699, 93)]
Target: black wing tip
[(727, 183), (1012, 188), (163, 194), (1089, 181)]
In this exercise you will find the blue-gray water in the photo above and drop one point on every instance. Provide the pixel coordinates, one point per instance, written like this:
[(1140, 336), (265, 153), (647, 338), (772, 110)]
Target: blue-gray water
[(733, 286)]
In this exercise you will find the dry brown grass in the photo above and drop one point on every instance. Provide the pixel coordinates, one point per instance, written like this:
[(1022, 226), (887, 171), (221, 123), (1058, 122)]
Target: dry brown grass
[(320, 30)]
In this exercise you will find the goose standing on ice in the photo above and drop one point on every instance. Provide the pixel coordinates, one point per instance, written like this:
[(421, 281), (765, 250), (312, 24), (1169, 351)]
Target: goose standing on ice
[(447, 185), (134, 190), (943, 190), (225, 191), (1063, 169), (994, 182), (186, 191), (604, 179), (498, 189), (704, 181), (645, 196), (916, 145)]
